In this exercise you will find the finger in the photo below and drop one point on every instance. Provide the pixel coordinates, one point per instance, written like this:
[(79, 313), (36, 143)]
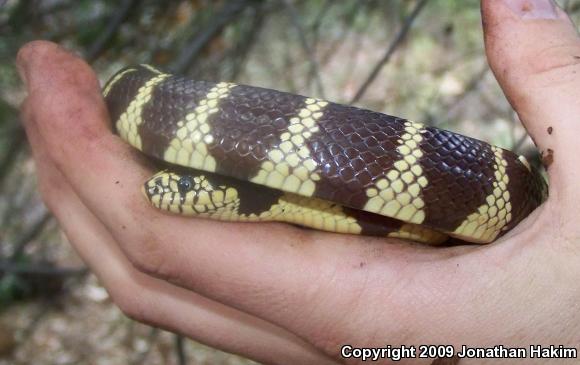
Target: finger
[(304, 281), (534, 51), (155, 301)]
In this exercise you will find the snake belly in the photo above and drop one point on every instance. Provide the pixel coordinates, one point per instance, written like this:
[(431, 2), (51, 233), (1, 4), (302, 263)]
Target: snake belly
[(244, 153)]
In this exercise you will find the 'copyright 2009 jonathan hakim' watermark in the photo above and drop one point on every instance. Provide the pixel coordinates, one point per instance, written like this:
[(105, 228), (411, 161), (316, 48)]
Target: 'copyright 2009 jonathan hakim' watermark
[(397, 353)]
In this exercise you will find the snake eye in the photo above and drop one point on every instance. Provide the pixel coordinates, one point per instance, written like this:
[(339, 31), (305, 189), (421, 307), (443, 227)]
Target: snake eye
[(184, 184)]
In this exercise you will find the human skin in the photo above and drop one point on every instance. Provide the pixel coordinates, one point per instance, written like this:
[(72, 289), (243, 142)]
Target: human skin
[(284, 295)]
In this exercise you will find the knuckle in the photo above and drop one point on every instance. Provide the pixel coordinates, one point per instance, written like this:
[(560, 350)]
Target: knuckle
[(150, 240), (146, 254), (130, 302)]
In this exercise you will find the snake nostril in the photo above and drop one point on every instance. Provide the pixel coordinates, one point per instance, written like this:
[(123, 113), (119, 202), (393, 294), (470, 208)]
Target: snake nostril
[(154, 190)]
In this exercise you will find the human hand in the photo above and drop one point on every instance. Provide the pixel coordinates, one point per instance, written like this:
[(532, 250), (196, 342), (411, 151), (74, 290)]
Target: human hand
[(280, 294)]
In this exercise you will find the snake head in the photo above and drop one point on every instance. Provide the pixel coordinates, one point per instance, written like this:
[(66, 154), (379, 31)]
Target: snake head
[(187, 193)]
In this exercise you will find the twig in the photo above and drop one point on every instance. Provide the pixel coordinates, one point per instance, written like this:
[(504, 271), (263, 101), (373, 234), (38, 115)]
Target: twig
[(99, 46), (491, 104), (165, 12), (339, 41), (244, 48), (7, 267), (145, 354), (473, 83), (314, 67), (227, 14), (471, 86), (288, 66), (573, 8), (392, 48), (29, 235), (351, 65), (315, 27), (180, 350), (17, 142)]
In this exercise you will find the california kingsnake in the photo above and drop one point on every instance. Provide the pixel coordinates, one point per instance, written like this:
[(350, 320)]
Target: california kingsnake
[(244, 153)]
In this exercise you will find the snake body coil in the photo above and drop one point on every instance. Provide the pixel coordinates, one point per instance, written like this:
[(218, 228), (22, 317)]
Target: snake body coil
[(245, 153)]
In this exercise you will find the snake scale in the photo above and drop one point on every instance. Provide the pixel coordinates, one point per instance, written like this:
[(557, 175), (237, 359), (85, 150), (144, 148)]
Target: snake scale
[(243, 153)]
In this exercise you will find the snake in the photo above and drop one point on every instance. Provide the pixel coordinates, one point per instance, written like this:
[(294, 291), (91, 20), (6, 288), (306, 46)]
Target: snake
[(240, 153)]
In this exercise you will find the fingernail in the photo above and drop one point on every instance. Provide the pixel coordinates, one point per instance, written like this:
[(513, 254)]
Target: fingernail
[(533, 9)]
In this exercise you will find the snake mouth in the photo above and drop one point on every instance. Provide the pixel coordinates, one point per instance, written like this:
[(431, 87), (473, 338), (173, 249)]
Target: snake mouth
[(189, 194), (199, 204)]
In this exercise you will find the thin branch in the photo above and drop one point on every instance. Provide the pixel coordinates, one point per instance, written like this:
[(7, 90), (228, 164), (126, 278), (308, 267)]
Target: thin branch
[(99, 46), (349, 76), (39, 269), (244, 47), (471, 86), (216, 25), (315, 27), (17, 143), (288, 66), (390, 51), (142, 357), (314, 67), (27, 237), (573, 8), (180, 350), (473, 83), (339, 41)]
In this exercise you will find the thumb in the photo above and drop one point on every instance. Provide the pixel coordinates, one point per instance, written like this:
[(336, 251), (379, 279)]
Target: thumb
[(534, 51)]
